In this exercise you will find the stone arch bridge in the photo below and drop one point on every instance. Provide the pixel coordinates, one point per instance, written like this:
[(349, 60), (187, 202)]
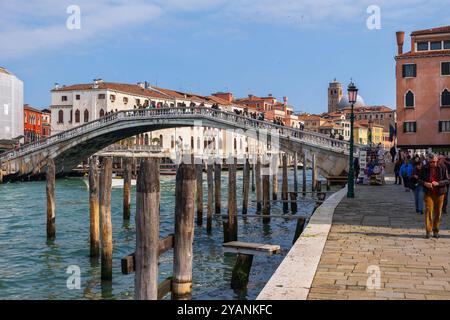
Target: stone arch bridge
[(71, 147)]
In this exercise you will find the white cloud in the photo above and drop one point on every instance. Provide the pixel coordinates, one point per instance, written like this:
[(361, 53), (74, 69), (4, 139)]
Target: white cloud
[(32, 26)]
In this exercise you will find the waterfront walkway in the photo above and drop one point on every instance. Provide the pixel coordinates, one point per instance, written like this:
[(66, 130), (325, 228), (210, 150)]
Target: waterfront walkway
[(379, 230)]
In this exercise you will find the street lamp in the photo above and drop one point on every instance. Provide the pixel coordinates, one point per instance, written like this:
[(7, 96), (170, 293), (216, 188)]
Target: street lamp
[(352, 97)]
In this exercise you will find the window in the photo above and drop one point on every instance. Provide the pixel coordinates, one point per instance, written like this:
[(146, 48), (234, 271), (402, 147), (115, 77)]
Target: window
[(64, 98), (71, 116), (77, 116), (409, 99), (409, 127), (436, 45), (422, 46), (101, 96), (86, 115), (77, 97), (138, 102), (102, 113), (445, 68), (60, 116), (112, 97), (447, 45), (125, 100), (409, 70), (445, 98), (444, 126)]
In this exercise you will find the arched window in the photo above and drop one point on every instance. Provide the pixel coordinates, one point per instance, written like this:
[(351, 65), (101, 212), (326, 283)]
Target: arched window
[(147, 142), (192, 143), (161, 140), (102, 113), (445, 98), (172, 142), (86, 115), (409, 99), (60, 116), (77, 116)]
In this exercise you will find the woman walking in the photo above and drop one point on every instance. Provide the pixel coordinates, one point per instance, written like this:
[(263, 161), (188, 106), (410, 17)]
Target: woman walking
[(406, 171), (417, 187)]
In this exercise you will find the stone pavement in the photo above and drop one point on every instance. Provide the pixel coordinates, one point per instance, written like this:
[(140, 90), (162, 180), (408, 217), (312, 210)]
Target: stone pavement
[(379, 232)]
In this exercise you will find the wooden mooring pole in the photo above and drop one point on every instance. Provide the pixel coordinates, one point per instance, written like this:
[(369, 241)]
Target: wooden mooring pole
[(304, 174), (258, 185), (127, 174), (147, 230), (253, 176), (231, 226), (184, 232), (94, 214), (313, 173), (199, 193), (284, 188), (266, 193), (51, 209), (105, 182), (218, 187), (295, 166), (275, 179), (245, 186), (210, 179)]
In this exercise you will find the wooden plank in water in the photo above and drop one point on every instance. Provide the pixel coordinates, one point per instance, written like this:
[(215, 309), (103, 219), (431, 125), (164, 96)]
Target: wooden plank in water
[(164, 288), (251, 248), (128, 262)]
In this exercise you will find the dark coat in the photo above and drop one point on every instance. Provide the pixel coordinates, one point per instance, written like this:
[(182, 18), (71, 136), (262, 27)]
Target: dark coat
[(442, 177)]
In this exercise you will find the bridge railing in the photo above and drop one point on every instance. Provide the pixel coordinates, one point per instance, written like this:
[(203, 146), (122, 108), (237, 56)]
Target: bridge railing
[(309, 137)]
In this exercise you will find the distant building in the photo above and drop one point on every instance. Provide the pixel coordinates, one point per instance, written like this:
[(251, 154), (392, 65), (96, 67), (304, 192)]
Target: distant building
[(32, 123), (380, 115), (75, 105), (46, 123), (423, 90), (11, 106), (312, 122)]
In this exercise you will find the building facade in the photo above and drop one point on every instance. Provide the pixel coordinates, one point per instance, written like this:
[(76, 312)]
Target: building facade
[(11, 106), (46, 123), (78, 104), (423, 90), (32, 124)]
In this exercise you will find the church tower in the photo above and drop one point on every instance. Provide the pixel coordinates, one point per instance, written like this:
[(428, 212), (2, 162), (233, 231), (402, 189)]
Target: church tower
[(334, 95)]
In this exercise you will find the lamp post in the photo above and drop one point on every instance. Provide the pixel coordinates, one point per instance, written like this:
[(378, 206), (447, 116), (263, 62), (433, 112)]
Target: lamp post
[(352, 97)]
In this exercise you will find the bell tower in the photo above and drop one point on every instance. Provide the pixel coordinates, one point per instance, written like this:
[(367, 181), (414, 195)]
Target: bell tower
[(334, 95)]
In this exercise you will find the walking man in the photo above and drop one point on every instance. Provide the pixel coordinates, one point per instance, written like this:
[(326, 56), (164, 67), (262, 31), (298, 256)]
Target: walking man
[(435, 181)]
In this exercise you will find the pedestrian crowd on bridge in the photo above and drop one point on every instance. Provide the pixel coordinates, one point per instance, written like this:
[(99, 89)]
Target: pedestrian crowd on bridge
[(427, 176)]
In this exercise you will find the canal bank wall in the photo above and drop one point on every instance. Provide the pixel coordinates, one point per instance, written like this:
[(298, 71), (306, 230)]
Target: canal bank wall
[(294, 277)]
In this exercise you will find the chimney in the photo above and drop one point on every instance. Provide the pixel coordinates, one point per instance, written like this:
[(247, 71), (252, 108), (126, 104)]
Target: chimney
[(56, 86), (285, 99), (400, 41), (141, 84)]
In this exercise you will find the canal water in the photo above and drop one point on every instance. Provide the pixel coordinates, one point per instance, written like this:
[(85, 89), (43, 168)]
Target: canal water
[(32, 268)]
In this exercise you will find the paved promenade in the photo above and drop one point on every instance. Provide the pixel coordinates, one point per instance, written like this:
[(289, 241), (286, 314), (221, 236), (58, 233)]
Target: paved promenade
[(381, 231)]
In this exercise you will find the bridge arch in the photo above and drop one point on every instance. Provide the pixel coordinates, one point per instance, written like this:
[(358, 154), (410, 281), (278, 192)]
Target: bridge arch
[(71, 147)]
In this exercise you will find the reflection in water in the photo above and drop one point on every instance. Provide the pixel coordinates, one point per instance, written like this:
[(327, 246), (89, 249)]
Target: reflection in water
[(35, 269)]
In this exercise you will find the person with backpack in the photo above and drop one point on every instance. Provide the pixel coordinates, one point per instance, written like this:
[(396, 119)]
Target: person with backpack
[(406, 171), (417, 187)]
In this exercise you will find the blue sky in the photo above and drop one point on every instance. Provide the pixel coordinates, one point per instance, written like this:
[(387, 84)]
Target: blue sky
[(283, 47)]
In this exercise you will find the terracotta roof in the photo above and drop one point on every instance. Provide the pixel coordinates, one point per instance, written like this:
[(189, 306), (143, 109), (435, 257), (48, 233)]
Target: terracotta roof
[(309, 117), (30, 108), (3, 70), (123, 87), (421, 54), (445, 29), (218, 100), (369, 109)]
